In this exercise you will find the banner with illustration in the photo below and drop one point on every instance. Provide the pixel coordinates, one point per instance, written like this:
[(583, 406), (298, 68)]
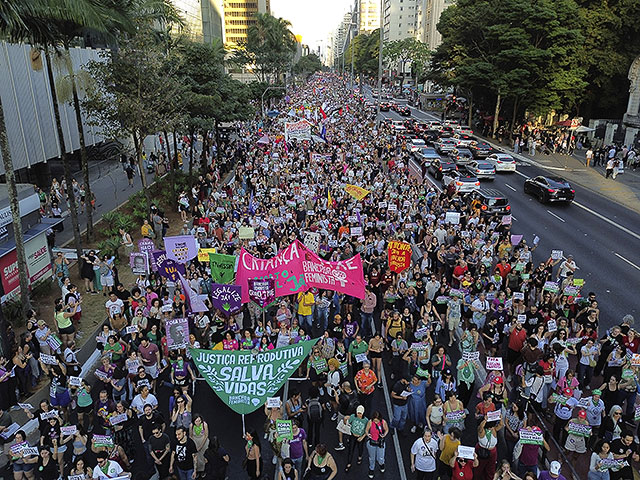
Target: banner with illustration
[(297, 269), (139, 263), (177, 333), (300, 130), (263, 292), (181, 248), (226, 298), (243, 379), (222, 267)]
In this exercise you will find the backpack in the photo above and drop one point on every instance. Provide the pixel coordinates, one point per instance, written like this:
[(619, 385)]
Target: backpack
[(314, 410)]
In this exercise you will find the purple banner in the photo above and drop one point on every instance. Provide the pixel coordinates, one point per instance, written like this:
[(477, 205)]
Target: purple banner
[(167, 267), (194, 302), (181, 248), (226, 298), (145, 245), (263, 292)]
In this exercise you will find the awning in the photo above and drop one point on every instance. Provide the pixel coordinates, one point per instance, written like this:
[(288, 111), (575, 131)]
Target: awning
[(37, 229)]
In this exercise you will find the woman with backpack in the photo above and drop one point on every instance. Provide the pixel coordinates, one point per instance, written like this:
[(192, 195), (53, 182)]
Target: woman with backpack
[(315, 415)]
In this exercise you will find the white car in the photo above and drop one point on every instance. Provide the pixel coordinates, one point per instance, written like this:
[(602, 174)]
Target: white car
[(502, 162), (462, 182), (398, 126), (463, 130), (434, 125), (481, 169), (417, 144)]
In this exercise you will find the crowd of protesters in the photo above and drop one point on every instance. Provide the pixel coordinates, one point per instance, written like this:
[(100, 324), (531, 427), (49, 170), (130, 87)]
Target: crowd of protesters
[(476, 293)]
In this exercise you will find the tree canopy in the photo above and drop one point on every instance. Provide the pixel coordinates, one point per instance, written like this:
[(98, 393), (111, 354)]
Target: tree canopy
[(308, 64), (365, 49)]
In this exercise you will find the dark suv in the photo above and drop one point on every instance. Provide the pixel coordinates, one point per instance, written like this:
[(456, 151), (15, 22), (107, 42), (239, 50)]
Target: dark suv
[(489, 201)]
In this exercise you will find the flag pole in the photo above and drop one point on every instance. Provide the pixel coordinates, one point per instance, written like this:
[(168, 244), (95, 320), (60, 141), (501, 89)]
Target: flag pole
[(244, 430)]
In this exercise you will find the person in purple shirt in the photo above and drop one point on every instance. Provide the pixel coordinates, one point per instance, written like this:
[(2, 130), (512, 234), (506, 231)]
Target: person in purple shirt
[(298, 448), (553, 473)]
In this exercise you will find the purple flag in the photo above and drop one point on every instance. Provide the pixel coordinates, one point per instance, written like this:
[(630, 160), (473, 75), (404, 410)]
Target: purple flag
[(263, 292), (515, 239), (226, 298), (181, 248), (194, 302), (145, 245)]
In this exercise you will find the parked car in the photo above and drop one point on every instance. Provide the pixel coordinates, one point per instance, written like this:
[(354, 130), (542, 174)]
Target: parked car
[(440, 167), (480, 149), (461, 182), (549, 189), (461, 156), (444, 145), (489, 201), (503, 162), (481, 169)]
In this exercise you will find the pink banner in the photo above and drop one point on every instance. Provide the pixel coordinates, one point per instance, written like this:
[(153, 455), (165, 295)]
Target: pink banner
[(297, 269)]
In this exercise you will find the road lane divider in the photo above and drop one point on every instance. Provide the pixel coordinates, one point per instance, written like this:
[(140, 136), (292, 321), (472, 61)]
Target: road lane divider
[(554, 215), (626, 260)]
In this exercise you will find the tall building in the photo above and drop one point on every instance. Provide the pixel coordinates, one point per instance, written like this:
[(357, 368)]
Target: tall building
[(340, 39), (239, 15), (368, 15), (202, 18), (429, 12), (399, 19)]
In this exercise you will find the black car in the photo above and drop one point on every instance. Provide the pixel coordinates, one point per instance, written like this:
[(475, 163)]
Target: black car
[(549, 189), (384, 107), (439, 167), (404, 111), (480, 149), (489, 201)]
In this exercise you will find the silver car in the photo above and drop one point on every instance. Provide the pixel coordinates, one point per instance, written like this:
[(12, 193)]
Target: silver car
[(481, 169)]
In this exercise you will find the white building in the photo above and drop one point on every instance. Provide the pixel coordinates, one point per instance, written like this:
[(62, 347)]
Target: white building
[(368, 15), (429, 12), (399, 19)]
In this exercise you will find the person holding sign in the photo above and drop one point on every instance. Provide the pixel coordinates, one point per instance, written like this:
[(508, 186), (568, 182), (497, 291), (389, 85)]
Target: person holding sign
[(576, 442), (486, 449), (357, 424), (462, 468), (366, 381), (597, 468), (21, 464)]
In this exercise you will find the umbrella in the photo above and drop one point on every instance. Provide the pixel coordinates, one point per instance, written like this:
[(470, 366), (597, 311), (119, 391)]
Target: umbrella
[(583, 129)]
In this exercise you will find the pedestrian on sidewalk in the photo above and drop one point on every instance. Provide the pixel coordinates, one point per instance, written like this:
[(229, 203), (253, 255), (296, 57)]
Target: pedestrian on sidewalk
[(588, 157), (609, 169)]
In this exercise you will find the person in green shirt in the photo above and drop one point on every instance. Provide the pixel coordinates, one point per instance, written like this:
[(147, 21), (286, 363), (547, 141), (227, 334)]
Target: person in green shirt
[(357, 347), (358, 424)]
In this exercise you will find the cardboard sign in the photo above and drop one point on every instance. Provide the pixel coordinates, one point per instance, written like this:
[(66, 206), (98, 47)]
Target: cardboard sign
[(284, 429), (361, 357), (556, 254), (466, 452), (494, 416), (399, 256), (531, 437), (494, 363), (274, 402)]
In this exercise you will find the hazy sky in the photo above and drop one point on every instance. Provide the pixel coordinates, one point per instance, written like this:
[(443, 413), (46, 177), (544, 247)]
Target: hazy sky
[(312, 19)]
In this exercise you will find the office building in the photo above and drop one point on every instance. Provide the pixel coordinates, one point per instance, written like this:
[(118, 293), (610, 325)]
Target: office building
[(239, 15), (367, 15), (399, 19), (429, 12)]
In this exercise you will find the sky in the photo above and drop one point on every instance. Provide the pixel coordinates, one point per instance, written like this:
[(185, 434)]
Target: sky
[(312, 19)]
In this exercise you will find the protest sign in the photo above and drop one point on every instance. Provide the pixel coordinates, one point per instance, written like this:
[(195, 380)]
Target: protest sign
[(68, 430), (177, 332), (452, 217), (361, 357), (471, 356), (102, 441), (579, 429), (222, 267), (635, 359), (48, 359), (16, 448), (146, 246), (132, 366), (556, 254), (226, 298), (10, 431), (262, 292), (466, 452), (48, 415), (194, 302), (284, 429), (506, 220), (274, 402), (168, 268), (181, 248), (455, 416), (244, 380), (312, 240), (636, 414), (612, 463), (578, 282), (531, 437), (551, 286), (30, 451), (399, 256), (139, 263), (117, 419), (300, 130), (494, 363), (494, 416), (27, 406), (246, 233), (552, 326), (518, 295), (203, 254)]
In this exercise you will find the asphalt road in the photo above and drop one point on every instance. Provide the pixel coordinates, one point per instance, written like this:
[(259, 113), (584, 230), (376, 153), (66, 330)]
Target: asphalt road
[(602, 235)]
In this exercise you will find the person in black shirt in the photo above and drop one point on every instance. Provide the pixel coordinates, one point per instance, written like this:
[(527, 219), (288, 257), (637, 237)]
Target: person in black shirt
[(183, 454), (624, 448), (148, 421), (347, 403), (124, 295), (217, 460), (400, 408), (160, 449)]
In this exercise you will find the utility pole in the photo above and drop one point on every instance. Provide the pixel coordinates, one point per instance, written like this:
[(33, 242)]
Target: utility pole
[(355, 24), (380, 63)]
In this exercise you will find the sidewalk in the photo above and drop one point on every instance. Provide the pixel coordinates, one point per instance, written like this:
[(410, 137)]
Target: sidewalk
[(625, 189)]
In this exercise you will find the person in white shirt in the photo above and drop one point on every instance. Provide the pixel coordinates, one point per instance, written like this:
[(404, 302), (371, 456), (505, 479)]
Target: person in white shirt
[(106, 469), (142, 399), (566, 267), (423, 455)]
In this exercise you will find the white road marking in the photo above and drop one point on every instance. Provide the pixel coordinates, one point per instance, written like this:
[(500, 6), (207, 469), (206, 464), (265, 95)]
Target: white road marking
[(396, 443), (509, 186), (554, 215), (628, 261)]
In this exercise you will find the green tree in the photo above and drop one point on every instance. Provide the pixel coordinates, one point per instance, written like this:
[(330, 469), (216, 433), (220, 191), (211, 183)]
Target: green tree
[(308, 64), (407, 50), (269, 48), (512, 49), (365, 51)]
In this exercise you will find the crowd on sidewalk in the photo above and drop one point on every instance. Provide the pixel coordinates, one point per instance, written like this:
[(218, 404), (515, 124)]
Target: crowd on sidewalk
[(480, 298)]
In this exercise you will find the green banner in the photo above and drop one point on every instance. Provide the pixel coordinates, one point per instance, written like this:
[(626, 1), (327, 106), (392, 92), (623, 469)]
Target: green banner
[(284, 429), (222, 267), (244, 379)]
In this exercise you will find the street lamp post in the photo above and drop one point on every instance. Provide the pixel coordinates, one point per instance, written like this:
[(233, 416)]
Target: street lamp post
[(265, 91), (380, 63)]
